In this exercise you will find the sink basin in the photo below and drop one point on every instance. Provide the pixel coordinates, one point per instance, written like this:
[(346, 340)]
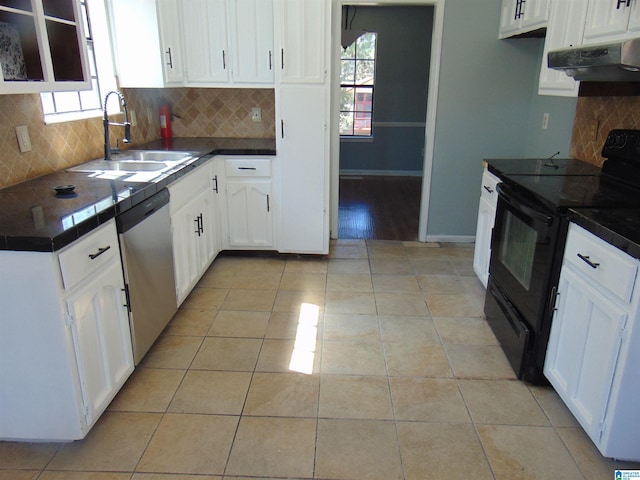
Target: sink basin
[(119, 166), (133, 161)]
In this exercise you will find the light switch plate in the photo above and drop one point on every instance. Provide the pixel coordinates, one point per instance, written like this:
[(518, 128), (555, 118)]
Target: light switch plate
[(24, 142)]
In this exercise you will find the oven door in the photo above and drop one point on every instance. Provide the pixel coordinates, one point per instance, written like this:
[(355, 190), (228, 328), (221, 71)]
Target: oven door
[(523, 247)]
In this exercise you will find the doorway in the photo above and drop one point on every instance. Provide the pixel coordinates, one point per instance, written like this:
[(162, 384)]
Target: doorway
[(367, 171)]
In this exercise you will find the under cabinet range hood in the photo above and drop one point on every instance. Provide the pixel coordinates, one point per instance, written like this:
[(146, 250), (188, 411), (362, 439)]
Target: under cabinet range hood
[(606, 62)]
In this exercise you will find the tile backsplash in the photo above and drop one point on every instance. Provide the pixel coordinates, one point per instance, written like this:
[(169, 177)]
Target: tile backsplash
[(595, 117), (202, 112)]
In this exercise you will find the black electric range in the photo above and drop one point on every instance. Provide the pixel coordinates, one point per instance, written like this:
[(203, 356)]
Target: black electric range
[(532, 216)]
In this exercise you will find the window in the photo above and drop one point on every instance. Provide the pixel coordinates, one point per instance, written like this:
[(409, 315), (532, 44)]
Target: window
[(66, 106), (357, 73)]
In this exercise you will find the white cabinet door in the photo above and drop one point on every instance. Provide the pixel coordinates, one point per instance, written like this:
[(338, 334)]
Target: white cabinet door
[(301, 32), (565, 29), (169, 17), (486, 219), (204, 31), (301, 143), (520, 16), (607, 20), (583, 349), (249, 213), (101, 339), (184, 224), (251, 32), (482, 252)]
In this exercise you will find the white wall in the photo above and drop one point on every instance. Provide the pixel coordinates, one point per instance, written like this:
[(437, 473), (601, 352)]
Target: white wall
[(487, 108)]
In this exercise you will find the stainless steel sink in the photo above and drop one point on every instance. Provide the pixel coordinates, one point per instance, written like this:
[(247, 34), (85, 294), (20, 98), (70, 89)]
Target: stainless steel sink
[(132, 161)]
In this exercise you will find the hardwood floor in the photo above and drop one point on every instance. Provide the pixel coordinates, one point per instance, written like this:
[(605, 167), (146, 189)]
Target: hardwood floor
[(379, 207)]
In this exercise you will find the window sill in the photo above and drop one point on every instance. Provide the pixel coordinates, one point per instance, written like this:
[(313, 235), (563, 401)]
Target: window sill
[(356, 139), (54, 118)]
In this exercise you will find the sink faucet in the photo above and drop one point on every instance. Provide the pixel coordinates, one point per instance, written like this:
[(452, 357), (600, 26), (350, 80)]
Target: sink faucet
[(106, 122)]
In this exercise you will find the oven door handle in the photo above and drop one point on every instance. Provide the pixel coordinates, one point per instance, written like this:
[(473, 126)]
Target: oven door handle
[(512, 198)]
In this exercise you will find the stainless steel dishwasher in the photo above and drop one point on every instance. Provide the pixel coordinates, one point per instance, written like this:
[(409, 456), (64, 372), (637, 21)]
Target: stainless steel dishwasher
[(147, 259)]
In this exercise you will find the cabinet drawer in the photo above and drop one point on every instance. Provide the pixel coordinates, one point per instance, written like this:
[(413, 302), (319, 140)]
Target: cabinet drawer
[(88, 254), (488, 189), (247, 167), (190, 186), (601, 263)]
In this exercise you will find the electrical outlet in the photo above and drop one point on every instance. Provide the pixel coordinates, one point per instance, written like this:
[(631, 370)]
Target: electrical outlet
[(256, 114), (545, 121), (133, 119), (24, 142)]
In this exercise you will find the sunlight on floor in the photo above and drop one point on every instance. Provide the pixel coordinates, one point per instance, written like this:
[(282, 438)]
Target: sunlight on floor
[(304, 349)]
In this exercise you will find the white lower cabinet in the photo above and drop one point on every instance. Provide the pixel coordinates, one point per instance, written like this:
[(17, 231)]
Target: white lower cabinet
[(486, 219), (592, 358), (65, 347), (248, 203), (194, 227)]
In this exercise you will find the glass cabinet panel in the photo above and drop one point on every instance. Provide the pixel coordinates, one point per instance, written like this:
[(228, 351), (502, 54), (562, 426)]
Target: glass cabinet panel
[(19, 53), (65, 51), (59, 9)]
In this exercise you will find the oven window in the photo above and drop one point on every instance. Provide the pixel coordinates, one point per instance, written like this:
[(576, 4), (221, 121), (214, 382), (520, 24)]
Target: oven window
[(518, 248)]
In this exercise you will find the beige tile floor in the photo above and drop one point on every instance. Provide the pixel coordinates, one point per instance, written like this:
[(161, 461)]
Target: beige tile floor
[(373, 363)]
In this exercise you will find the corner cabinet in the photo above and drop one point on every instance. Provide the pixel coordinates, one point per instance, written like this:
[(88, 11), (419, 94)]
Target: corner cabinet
[(43, 47), (195, 227), (486, 219), (64, 357), (592, 358)]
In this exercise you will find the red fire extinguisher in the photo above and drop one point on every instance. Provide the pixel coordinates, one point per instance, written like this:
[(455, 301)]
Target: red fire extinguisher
[(165, 121)]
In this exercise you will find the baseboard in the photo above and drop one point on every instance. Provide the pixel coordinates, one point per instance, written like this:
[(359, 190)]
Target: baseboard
[(451, 238), (381, 173)]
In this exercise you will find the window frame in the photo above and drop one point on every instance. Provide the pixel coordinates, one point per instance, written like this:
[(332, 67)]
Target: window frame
[(96, 30), (357, 89)]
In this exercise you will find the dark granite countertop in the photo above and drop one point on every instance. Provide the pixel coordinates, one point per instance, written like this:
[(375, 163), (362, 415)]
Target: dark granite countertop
[(619, 227), (34, 218), (540, 166)]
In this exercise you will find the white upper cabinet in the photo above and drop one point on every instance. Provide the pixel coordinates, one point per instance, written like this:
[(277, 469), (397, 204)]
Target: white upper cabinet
[(251, 35), (147, 44), (43, 47), (301, 29), (565, 29), (520, 16), (611, 20), (205, 41), (171, 41)]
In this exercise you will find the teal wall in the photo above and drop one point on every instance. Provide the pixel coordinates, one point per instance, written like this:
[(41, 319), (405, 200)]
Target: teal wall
[(488, 107), (402, 78)]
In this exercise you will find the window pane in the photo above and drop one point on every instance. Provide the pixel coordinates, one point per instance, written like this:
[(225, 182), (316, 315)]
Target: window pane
[(364, 99), (350, 51), (67, 101), (366, 46), (364, 72), (90, 98), (346, 123), (347, 71), (47, 103), (362, 124), (346, 99)]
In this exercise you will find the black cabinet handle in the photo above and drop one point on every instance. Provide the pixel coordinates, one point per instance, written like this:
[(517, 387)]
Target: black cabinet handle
[(101, 250), (198, 227), (488, 189), (268, 208), (224, 60), (282, 128), (170, 62), (282, 58), (246, 168), (587, 260), (215, 179), (270, 61), (626, 3)]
